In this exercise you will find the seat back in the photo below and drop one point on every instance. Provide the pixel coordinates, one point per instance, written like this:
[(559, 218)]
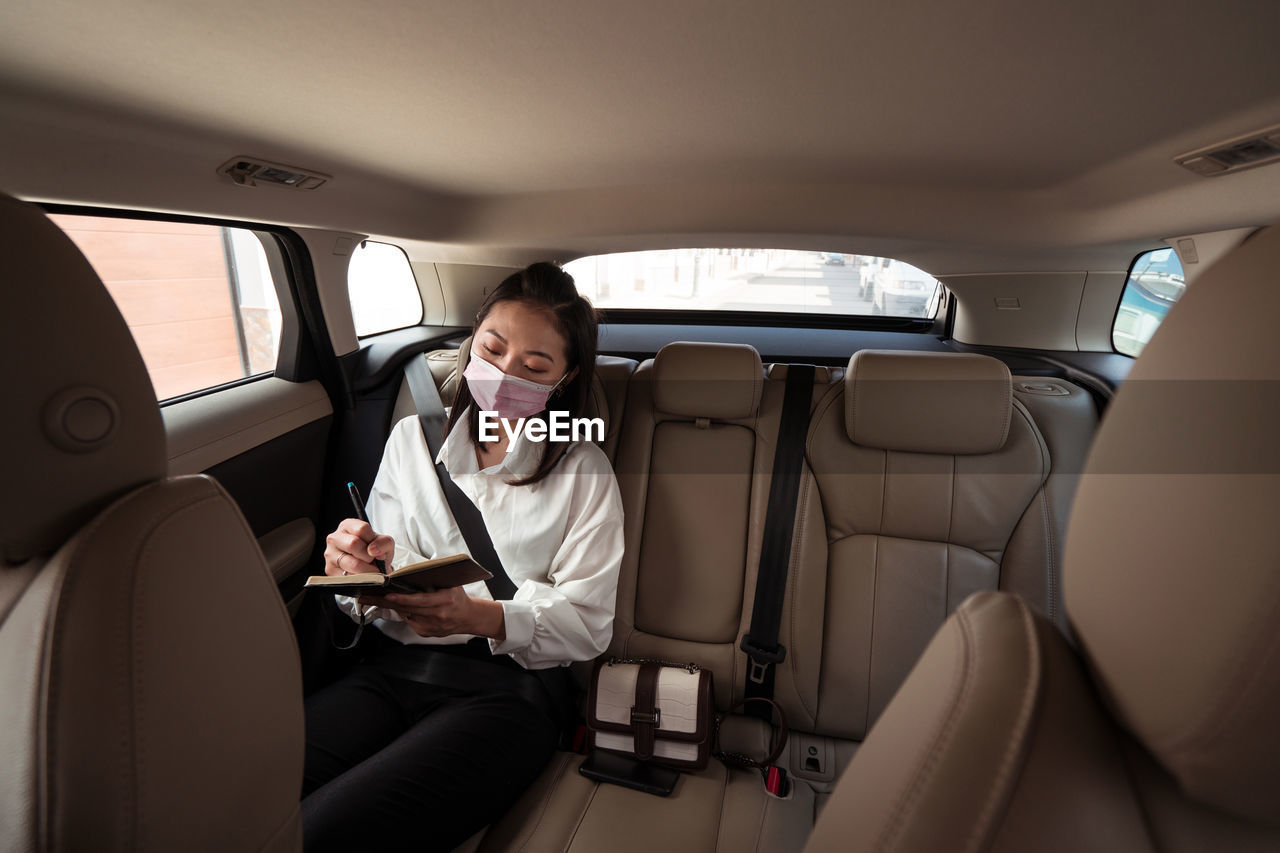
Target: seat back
[(922, 467), (152, 694), (1158, 732), (685, 471)]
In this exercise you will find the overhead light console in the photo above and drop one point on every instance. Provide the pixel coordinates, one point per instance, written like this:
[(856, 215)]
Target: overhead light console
[(1244, 152), (251, 172)]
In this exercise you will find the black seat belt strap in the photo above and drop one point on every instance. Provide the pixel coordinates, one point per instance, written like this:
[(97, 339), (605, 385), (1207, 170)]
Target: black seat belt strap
[(761, 640), (426, 398)]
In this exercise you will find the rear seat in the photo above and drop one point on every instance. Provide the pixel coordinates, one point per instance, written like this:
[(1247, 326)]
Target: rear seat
[(926, 479)]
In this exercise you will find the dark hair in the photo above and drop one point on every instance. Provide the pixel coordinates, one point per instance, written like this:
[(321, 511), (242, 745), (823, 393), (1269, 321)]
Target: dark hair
[(548, 288)]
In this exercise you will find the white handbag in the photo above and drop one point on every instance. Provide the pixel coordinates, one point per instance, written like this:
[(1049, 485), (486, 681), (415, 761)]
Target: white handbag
[(652, 711)]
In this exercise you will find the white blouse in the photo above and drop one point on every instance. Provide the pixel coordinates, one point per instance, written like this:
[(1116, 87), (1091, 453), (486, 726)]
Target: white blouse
[(560, 539)]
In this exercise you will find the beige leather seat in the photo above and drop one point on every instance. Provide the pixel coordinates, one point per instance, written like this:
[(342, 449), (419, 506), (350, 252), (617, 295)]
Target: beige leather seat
[(924, 484), (888, 541), (1160, 732), (152, 696), (693, 469)]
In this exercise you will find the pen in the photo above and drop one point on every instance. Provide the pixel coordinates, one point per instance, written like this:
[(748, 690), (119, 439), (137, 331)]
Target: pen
[(363, 516)]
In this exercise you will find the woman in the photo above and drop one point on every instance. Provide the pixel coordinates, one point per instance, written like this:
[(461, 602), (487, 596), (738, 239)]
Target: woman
[(393, 757)]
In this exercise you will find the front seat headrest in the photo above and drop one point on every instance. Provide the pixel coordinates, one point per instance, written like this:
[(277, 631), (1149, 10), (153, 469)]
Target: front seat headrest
[(1172, 575), (81, 423)]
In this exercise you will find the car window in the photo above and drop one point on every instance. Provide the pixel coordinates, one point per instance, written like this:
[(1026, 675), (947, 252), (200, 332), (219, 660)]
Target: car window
[(757, 280), (1155, 283), (200, 299), (383, 291)]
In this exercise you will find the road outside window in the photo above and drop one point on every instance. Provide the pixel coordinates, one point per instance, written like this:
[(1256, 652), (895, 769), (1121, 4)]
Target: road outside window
[(199, 299), (757, 280)]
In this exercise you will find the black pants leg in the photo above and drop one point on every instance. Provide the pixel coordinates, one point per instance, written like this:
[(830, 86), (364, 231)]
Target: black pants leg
[(392, 762)]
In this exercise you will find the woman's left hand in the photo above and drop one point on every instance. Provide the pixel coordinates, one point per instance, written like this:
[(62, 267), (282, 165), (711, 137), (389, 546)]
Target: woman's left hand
[(445, 612)]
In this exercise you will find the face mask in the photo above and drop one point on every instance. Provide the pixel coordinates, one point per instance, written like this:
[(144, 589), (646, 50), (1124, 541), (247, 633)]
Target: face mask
[(510, 396)]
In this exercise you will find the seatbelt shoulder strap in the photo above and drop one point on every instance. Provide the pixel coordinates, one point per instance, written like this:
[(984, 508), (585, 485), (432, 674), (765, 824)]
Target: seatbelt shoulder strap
[(431, 417), (761, 640)]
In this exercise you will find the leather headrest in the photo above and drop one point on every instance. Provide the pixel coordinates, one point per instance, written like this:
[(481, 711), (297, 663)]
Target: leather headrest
[(81, 424), (597, 402), (928, 402), (1172, 575), (697, 380)]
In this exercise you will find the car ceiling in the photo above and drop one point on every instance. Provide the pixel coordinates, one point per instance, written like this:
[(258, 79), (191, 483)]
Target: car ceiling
[(963, 137)]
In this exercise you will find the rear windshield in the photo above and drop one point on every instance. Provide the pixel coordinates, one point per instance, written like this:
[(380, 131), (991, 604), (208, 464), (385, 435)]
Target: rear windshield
[(757, 280)]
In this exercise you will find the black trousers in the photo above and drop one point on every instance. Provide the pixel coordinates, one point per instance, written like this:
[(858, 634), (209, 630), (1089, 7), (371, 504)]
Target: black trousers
[(392, 762)]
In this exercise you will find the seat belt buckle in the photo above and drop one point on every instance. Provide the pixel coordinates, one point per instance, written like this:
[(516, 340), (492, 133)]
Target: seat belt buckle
[(761, 659), (776, 782), (580, 740)]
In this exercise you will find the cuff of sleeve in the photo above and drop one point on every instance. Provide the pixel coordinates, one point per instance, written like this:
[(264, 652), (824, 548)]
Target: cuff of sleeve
[(347, 603), (517, 619)]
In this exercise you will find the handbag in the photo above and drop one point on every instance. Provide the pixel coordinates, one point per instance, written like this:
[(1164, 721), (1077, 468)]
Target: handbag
[(652, 711)]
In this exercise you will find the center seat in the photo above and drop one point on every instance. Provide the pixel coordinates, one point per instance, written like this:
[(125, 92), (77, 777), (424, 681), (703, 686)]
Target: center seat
[(694, 467)]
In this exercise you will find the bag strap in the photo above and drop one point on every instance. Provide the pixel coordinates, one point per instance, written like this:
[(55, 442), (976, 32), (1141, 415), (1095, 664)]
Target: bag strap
[(776, 746), (761, 640), (431, 417)]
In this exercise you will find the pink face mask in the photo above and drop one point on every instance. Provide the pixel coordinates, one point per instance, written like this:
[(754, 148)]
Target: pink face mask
[(510, 396)]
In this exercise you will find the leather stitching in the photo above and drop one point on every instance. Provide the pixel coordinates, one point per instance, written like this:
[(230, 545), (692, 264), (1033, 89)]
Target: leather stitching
[(582, 817), (547, 796), (139, 620), (1018, 740), (793, 581), (927, 758), (871, 643), (288, 826), (764, 813), (1008, 407), (1050, 557), (951, 519), (724, 798), (127, 790), (49, 665)]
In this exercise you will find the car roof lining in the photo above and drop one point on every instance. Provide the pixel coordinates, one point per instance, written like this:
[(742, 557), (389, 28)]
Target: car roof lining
[(1002, 138)]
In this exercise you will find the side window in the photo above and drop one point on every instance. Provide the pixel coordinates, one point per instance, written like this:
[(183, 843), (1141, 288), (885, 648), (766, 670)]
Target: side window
[(384, 294), (199, 299), (1155, 283)]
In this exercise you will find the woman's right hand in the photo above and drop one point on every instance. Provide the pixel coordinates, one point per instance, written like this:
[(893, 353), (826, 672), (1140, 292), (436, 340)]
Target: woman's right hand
[(352, 548)]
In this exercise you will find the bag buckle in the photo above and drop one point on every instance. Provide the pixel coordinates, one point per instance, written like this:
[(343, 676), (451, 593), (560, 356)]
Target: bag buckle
[(761, 659), (654, 719)]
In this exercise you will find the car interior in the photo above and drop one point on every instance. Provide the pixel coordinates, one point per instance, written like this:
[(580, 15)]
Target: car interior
[(1029, 250)]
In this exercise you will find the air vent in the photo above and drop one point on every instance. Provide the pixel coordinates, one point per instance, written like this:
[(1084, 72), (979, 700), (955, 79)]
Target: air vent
[(250, 172), (1256, 149)]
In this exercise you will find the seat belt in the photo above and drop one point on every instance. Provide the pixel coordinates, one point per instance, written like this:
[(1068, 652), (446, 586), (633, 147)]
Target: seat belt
[(761, 640), (426, 398), (431, 417)]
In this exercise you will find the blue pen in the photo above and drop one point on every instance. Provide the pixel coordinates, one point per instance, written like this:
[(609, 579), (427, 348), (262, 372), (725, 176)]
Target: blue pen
[(363, 516)]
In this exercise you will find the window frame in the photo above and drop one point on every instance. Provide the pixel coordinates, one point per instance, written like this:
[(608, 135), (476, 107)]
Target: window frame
[(422, 308), (294, 361), (1128, 278)]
